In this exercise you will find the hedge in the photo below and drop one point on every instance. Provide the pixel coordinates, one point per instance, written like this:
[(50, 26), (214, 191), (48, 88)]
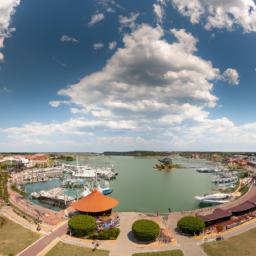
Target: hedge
[(191, 225), (145, 230), (108, 234), (82, 225), (163, 253)]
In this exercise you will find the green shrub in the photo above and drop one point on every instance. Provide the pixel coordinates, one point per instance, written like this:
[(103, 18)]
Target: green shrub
[(82, 225), (191, 225), (108, 234), (16, 189), (163, 253), (145, 230)]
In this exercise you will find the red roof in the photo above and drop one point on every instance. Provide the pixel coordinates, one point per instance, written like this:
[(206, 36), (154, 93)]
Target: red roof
[(95, 202), (245, 206), (217, 214), (37, 157)]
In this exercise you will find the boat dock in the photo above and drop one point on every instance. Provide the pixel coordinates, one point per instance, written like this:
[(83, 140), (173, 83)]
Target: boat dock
[(55, 197), (89, 172)]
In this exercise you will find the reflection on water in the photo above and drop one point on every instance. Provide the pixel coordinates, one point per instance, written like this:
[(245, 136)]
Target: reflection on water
[(139, 187)]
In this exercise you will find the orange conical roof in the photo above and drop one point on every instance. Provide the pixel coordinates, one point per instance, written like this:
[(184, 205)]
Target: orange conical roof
[(95, 202)]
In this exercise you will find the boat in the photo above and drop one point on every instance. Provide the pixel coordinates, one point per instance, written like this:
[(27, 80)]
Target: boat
[(73, 183), (205, 170), (85, 192), (218, 198), (226, 180), (105, 189), (82, 174), (91, 172)]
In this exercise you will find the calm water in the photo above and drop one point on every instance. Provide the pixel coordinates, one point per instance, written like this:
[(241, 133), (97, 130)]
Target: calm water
[(139, 187)]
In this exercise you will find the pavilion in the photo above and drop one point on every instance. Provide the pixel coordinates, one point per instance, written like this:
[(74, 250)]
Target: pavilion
[(217, 216), (95, 204)]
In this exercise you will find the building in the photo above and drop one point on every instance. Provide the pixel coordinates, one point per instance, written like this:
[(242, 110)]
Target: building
[(217, 216), (95, 204), (38, 159)]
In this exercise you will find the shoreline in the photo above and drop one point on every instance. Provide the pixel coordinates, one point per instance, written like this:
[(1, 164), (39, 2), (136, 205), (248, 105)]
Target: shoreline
[(51, 217)]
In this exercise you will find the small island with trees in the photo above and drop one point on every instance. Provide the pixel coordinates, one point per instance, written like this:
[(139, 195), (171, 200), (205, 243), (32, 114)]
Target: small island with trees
[(166, 164)]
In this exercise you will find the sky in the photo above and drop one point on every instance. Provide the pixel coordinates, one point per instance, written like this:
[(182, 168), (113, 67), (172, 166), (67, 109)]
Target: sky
[(109, 75)]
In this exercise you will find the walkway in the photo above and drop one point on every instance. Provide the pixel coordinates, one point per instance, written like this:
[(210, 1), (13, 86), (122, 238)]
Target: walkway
[(188, 245), (43, 242), (125, 244), (46, 215)]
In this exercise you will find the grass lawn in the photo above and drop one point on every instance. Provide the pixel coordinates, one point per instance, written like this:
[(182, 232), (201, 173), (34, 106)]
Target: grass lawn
[(14, 238), (62, 249), (165, 253), (243, 244)]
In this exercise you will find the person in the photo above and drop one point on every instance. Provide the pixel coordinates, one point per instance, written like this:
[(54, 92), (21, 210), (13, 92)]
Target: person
[(169, 210)]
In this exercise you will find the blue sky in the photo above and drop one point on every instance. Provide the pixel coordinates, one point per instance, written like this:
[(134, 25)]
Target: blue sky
[(125, 75)]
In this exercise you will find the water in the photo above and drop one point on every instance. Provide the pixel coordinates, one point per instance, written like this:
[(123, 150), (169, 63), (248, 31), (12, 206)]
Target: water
[(139, 187)]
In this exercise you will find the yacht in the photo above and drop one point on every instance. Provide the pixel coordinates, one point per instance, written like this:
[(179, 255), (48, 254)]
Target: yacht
[(85, 192), (81, 174), (205, 170), (218, 198), (226, 180)]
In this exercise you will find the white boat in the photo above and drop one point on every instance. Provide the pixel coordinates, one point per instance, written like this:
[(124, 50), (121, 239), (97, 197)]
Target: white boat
[(85, 192), (218, 198), (84, 173), (226, 180), (104, 189), (91, 172), (205, 170)]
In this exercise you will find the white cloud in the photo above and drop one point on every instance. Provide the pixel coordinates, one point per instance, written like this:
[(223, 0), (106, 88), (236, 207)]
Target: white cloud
[(128, 21), (159, 11), (68, 39), (220, 13), (55, 103), (153, 83), (112, 45), (76, 126), (109, 6), (231, 76), (4, 90), (98, 46), (7, 10), (96, 18)]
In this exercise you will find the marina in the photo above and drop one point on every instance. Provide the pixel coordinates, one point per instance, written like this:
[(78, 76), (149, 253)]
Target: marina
[(161, 190)]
